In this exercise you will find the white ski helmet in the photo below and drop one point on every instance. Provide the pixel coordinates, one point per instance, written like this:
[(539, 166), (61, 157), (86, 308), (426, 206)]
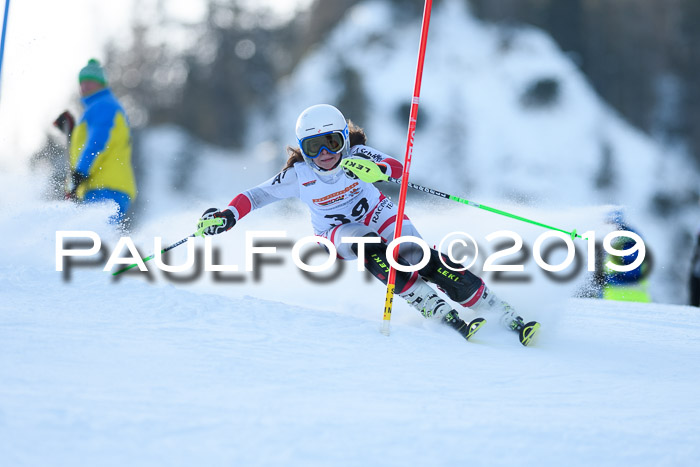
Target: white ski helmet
[(322, 126)]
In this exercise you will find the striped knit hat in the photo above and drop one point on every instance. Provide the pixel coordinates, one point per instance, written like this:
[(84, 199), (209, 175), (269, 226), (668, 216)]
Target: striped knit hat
[(92, 71)]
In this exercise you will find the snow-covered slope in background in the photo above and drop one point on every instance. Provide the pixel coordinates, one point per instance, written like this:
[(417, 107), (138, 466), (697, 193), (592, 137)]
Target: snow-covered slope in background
[(477, 136)]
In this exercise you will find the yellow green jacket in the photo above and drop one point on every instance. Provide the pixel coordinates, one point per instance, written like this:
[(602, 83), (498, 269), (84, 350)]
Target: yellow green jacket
[(100, 146)]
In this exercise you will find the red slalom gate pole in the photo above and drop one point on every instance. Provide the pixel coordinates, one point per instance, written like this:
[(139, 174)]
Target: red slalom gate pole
[(391, 281)]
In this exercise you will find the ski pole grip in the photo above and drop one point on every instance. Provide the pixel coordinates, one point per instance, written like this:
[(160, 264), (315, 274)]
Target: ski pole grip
[(365, 170), (204, 224)]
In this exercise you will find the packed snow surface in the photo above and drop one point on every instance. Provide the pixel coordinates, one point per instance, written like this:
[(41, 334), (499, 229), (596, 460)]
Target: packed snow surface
[(283, 371)]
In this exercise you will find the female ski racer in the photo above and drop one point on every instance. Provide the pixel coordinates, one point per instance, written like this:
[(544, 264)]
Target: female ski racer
[(343, 206)]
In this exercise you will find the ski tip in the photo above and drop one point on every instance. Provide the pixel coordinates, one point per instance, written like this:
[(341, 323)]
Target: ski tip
[(474, 326), (528, 333)]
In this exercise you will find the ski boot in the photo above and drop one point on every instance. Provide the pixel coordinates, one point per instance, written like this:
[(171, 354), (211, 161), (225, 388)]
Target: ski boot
[(424, 299), (485, 300), (453, 320), (526, 331)]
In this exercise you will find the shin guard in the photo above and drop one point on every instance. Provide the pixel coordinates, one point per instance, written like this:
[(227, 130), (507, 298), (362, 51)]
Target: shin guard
[(377, 264), (460, 286)]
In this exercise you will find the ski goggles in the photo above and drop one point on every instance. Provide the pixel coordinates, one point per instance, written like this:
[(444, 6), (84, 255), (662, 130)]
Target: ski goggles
[(313, 145)]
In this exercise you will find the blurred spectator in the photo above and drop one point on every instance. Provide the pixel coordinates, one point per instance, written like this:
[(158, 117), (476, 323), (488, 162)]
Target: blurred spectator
[(630, 286), (100, 145), (695, 273)]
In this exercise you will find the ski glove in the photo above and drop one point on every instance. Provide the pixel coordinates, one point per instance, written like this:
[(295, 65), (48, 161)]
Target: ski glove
[(213, 213), (76, 179), (350, 174), (65, 122)]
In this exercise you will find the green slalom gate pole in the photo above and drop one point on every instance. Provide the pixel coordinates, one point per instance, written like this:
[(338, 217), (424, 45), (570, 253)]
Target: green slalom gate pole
[(369, 172), (203, 225)]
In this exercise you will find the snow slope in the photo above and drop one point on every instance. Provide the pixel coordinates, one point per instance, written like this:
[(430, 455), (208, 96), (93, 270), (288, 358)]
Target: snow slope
[(287, 372), (99, 374)]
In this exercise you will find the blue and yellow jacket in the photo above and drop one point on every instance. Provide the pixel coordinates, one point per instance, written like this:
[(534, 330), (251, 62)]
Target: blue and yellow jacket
[(101, 146)]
